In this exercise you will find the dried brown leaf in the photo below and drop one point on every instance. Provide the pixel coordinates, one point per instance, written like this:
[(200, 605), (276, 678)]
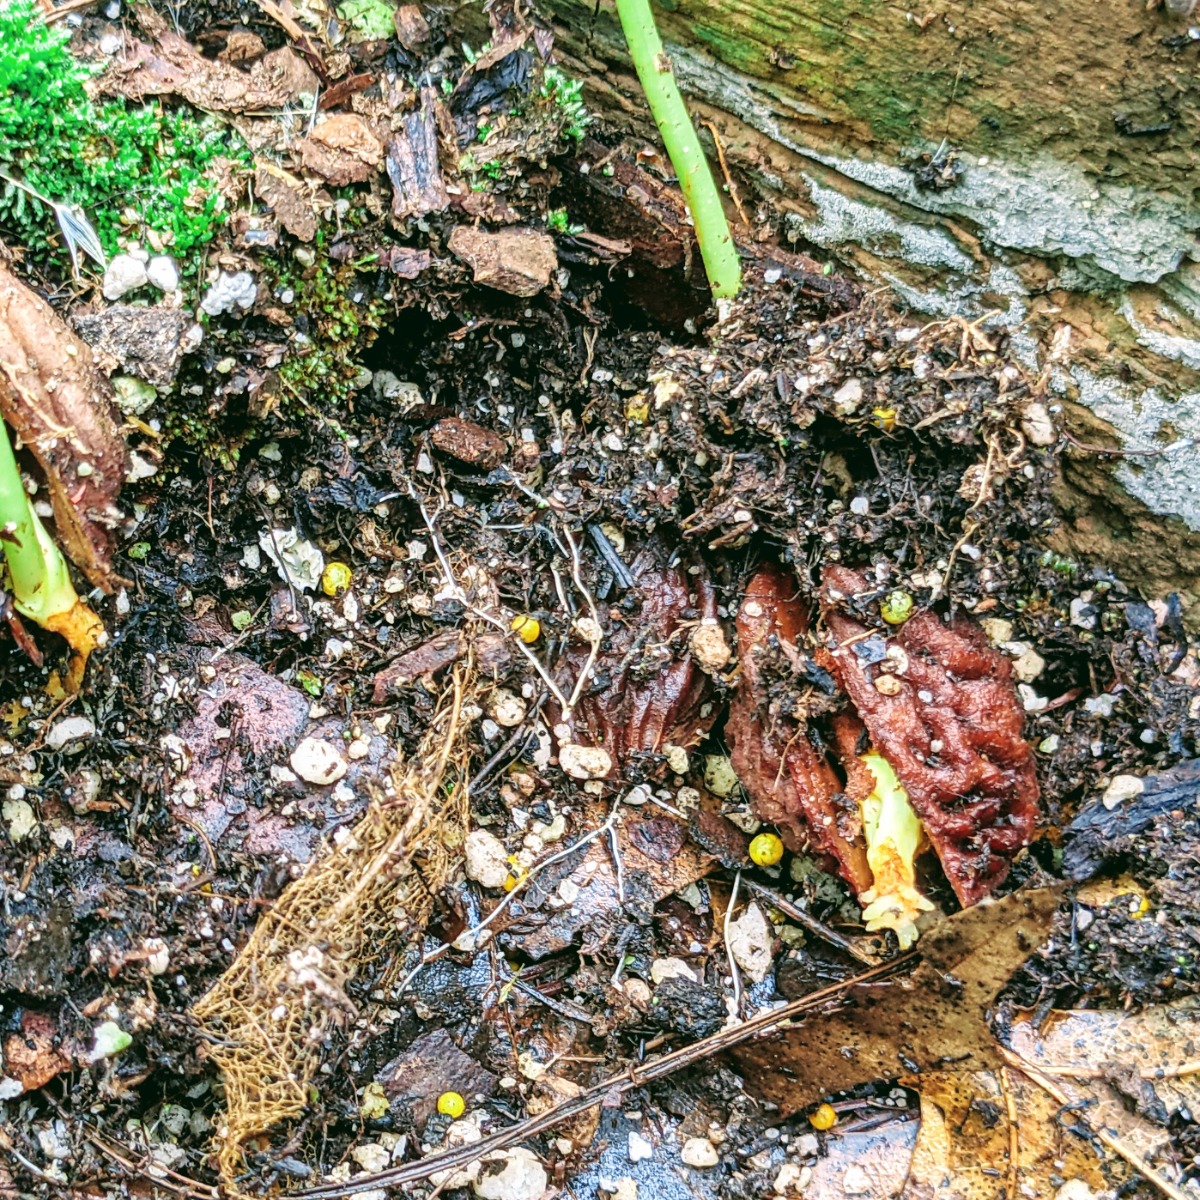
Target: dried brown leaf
[(60, 406), (172, 66), (902, 1027), (289, 197)]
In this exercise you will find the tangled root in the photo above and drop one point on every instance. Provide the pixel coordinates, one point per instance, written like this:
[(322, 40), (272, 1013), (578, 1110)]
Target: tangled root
[(269, 1017)]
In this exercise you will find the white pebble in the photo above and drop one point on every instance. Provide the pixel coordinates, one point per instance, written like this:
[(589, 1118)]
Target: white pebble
[(1122, 788), (317, 761), (639, 1148), (69, 729), (700, 1153), (584, 762), (124, 274), (486, 859), (162, 272)]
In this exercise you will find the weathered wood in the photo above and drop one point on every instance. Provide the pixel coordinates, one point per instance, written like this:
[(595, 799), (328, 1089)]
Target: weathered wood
[(1072, 132)]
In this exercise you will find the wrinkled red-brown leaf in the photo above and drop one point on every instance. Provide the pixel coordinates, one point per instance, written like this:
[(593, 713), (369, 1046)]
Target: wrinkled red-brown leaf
[(960, 752), (789, 779), (647, 691), (60, 406)]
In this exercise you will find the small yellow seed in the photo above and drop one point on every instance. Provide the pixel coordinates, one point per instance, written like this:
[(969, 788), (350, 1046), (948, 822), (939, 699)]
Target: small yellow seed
[(896, 608), (1140, 909), (885, 418), (766, 849), (527, 628), (451, 1104), (510, 882), (823, 1117), (335, 579)]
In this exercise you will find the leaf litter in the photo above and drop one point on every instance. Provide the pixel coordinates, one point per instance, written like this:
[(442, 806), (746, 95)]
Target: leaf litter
[(550, 435)]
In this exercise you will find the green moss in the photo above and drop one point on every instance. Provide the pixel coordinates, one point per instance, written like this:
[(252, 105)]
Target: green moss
[(321, 369), (132, 170)]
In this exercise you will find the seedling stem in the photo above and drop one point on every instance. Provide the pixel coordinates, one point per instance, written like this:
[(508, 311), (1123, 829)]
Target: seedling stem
[(683, 146)]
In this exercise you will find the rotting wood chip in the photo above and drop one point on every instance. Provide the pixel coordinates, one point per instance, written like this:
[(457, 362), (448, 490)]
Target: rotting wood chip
[(518, 261)]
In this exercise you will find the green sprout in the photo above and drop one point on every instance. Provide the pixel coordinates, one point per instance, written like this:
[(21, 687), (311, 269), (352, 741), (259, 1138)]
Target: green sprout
[(38, 577), (683, 147), (558, 221), (894, 837), (567, 94)]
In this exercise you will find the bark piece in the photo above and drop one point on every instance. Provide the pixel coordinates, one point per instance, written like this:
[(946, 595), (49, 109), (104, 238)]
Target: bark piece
[(290, 199), (491, 656), (787, 775), (60, 406), (469, 442), (412, 163), (426, 659), (407, 262), (172, 67), (147, 342), (412, 30), (30, 1055), (518, 261), (342, 149), (951, 727)]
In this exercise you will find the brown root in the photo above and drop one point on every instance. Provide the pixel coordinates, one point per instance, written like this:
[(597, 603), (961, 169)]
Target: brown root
[(270, 1015)]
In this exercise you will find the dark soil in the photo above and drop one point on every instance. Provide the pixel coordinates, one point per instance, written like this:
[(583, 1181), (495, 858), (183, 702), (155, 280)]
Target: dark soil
[(813, 424)]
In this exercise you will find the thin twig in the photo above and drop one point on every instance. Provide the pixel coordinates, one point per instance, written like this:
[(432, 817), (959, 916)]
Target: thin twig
[(1131, 1156), (735, 974), (522, 884), (635, 1076), (803, 917)]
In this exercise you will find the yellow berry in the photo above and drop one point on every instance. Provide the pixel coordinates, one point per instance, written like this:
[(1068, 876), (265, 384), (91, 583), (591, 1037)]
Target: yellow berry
[(896, 608), (766, 849), (823, 1117), (527, 628), (451, 1104), (885, 418), (335, 579)]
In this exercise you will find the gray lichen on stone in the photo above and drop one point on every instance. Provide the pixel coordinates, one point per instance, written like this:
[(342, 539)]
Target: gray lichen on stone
[(1166, 480), (1048, 207)]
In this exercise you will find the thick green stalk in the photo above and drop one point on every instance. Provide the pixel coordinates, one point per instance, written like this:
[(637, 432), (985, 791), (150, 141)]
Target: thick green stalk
[(678, 135), (40, 582)]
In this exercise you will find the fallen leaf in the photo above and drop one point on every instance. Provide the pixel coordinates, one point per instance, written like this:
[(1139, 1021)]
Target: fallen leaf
[(31, 1056), (938, 1015), (989, 1134), (1135, 1074), (289, 197), (61, 407), (172, 67)]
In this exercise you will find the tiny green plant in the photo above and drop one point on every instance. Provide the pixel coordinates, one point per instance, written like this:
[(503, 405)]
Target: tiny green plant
[(683, 146), (38, 578), (567, 94), (129, 170), (558, 221)]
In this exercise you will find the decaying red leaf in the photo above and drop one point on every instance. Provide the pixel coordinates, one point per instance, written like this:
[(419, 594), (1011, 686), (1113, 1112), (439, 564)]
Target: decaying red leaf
[(60, 406), (647, 692), (945, 716), (951, 726), (788, 777)]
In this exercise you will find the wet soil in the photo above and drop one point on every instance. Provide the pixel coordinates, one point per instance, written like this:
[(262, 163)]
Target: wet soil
[(811, 423)]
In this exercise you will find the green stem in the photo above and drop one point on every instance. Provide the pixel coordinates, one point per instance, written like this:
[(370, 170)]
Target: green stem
[(678, 135), (41, 584)]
